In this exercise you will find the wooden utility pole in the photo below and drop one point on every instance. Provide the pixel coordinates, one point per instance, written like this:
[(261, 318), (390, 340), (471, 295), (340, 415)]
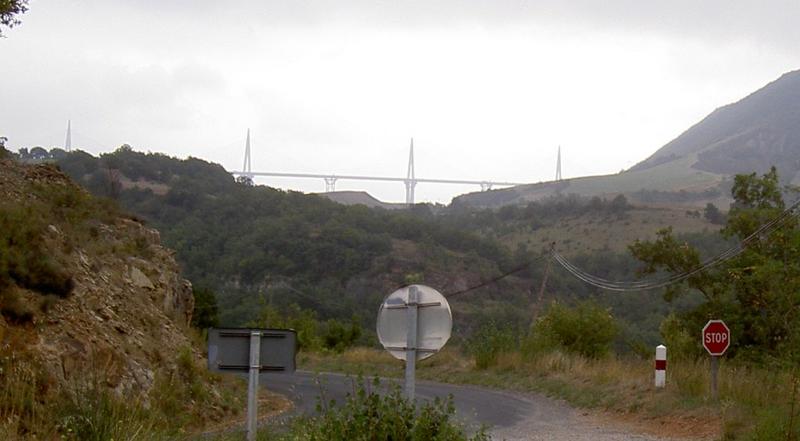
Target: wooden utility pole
[(538, 305)]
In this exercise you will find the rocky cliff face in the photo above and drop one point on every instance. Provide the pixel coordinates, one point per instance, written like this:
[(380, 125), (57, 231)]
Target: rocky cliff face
[(127, 313)]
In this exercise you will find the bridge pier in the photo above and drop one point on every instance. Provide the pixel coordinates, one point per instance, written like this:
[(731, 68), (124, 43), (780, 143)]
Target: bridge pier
[(410, 184), (410, 181), (330, 184)]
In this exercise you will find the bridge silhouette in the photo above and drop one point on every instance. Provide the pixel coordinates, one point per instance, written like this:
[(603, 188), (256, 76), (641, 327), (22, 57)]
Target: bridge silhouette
[(410, 180)]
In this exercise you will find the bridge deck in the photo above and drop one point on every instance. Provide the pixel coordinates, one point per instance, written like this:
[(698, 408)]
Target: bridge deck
[(374, 178)]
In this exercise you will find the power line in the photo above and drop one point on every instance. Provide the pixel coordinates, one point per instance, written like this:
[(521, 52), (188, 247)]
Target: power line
[(496, 279), (626, 286)]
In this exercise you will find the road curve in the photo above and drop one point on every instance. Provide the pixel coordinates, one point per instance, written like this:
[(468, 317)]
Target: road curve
[(509, 415)]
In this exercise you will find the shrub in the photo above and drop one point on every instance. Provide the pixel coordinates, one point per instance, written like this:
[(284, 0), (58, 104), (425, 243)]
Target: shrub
[(13, 307), (312, 334), (368, 415), (303, 321), (489, 341), (679, 342), (339, 336), (586, 329), (23, 258)]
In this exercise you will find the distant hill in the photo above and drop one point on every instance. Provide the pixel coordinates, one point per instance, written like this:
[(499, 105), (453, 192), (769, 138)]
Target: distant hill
[(748, 136), (753, 134), (360, 198)]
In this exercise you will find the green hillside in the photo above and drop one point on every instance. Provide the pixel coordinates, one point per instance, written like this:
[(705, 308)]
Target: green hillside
[(255, 246)]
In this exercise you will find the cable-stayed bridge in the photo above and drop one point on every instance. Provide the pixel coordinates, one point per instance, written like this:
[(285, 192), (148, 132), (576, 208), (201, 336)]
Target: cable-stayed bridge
[(410, 180)]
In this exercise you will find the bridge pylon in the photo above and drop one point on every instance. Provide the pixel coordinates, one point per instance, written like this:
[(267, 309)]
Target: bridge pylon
[(68, 140), (558, 165), (411, 180), (247, 168)]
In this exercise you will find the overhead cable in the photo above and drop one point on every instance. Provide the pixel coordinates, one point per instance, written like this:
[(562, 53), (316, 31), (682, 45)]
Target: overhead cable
[(764, 230), (496, 279)]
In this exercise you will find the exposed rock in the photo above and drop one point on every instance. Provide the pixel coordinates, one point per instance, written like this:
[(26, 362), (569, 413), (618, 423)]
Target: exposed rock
[(127, 316), (140, 280)]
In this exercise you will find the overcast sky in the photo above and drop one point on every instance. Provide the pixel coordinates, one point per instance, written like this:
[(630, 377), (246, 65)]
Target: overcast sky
[(488, 89)]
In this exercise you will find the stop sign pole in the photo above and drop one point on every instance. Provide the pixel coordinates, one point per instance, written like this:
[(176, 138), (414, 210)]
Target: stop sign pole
[(716, 340)]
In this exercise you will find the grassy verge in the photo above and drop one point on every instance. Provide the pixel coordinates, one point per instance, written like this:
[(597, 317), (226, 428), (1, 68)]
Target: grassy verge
[(754, 403), (33, 405)]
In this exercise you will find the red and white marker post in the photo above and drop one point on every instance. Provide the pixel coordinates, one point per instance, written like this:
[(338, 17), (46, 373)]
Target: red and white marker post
[(661, 366), (716, 340)]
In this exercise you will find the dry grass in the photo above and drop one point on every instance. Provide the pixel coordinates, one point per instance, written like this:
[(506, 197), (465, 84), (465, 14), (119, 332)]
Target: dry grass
[(35, 405), (754, 403), (594, 231)]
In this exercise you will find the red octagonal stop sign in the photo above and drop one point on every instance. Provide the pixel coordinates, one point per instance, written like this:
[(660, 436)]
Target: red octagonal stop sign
[(716, 337)]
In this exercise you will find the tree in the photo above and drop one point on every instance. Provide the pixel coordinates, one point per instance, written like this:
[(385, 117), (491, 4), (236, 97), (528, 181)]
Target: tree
[(9, 12), (619, 204), (39, 154), (57, 153), (246, 181), (206, 313), (587, 329), (713, 215), (756, 292)]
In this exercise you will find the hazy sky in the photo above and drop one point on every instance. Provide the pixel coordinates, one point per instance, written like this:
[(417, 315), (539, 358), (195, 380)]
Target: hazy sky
[(488, 89)]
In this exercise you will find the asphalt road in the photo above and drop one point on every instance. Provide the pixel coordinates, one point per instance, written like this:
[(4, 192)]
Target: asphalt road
[(509, 415)]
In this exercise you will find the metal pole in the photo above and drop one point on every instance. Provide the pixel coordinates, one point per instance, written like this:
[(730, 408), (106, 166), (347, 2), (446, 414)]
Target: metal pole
[(411, 341), (252, 385), (714, 369)]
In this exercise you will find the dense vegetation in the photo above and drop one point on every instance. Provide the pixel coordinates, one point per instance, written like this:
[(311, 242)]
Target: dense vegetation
[(755, 292), (257, 245), (304, 257), (300, 255)]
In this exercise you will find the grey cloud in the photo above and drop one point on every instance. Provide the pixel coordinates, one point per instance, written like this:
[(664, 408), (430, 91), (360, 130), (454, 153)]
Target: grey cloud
[(115, 102), (772, 22)]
